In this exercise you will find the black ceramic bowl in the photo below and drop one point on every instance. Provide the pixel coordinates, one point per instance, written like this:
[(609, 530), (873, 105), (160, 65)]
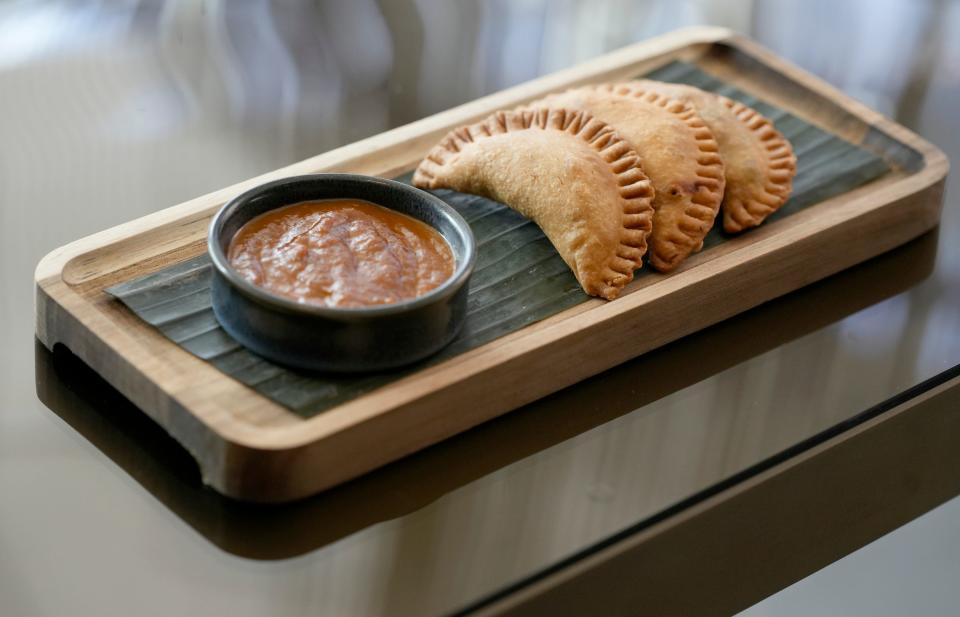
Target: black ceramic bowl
[(340, 339)]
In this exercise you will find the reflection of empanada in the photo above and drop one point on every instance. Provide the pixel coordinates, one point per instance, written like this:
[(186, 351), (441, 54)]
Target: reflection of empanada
[(568, 172), (758, 161), (677, 151)]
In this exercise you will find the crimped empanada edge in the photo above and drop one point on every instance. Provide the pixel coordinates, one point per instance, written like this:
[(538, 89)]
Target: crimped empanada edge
[(781, 168), (634, 188), (709, 171)]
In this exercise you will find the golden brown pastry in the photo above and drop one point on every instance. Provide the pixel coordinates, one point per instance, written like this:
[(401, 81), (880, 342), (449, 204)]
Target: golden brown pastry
[(758, 161), (677, 151), (568, 172)]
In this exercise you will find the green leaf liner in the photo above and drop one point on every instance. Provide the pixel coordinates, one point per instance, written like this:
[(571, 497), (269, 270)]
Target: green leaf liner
[(519, 279)]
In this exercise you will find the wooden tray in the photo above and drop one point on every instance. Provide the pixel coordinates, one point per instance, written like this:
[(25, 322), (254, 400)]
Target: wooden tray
[(251, 448)]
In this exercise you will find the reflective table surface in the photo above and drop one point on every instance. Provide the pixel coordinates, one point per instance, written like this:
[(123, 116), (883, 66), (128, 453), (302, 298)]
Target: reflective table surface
[(115, 110)]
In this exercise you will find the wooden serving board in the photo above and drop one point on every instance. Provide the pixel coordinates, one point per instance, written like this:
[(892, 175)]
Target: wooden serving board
[(249, 447)]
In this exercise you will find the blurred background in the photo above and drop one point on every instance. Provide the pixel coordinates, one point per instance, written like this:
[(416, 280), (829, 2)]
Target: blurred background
[(116, 108)]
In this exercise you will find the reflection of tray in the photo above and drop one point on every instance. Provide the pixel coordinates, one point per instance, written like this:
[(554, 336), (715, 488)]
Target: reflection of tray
[(95, 410), (252, 448)]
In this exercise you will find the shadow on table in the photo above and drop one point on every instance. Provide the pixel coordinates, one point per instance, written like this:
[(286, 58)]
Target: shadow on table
[(99, 412)]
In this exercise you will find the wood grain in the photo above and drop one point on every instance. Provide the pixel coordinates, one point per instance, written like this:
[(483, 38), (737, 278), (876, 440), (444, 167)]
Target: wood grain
[(251, 448)]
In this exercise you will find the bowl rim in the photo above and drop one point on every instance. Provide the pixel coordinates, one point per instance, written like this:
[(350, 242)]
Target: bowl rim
[(465, 262)]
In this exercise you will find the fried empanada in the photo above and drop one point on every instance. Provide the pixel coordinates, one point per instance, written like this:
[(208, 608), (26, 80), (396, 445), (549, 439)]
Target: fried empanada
[(759, 163), (677, 151), (568, 172)]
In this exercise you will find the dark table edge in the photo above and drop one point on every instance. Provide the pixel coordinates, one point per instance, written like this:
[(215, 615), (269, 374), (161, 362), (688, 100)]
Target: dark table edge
[(729, 546)]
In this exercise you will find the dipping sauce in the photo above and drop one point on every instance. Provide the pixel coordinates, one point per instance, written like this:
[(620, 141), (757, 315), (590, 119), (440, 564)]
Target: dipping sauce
[(342, 253)]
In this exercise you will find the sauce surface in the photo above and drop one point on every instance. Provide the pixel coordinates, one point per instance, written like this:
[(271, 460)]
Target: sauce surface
[(341, 252)]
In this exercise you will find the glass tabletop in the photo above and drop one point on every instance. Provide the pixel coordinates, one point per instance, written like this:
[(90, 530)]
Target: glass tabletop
[(117, 110)]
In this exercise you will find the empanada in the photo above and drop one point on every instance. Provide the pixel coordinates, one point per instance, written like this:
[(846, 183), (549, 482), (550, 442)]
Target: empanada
[(759, 163), (568, 172), (677, 151)]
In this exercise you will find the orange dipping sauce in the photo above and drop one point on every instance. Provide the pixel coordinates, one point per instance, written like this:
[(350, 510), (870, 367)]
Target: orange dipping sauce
[(341, 253)]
